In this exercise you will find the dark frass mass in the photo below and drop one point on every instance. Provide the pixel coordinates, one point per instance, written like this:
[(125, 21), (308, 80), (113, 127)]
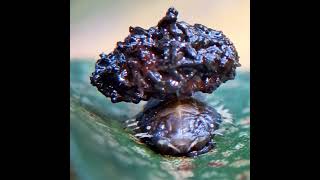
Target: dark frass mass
[(166, 65), (170, 59)]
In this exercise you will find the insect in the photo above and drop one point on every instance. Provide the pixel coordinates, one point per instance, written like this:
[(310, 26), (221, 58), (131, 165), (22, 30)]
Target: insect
[(181, 127), (166, 65)]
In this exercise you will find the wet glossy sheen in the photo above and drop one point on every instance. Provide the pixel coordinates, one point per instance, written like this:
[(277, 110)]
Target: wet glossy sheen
[(178, 127), (168, 60)]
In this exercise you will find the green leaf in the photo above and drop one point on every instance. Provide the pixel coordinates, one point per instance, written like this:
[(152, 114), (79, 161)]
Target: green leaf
[(101, 149)]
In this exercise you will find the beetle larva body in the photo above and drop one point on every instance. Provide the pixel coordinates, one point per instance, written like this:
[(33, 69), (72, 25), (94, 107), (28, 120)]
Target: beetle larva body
[(180, 127)]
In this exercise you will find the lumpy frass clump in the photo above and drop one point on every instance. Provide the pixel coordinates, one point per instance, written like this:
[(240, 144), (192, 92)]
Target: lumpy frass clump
[(165, 61), (165, 65)]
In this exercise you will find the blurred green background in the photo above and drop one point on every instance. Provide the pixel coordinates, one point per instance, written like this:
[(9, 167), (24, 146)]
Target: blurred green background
[(100, 149)]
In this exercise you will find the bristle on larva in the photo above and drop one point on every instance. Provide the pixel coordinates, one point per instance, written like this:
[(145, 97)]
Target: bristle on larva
[(224, 112), (143, 135), (132, 124), (218, 132), (130, 120)]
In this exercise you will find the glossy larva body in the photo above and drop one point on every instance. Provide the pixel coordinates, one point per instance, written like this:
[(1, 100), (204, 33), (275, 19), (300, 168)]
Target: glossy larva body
[(182, 127)]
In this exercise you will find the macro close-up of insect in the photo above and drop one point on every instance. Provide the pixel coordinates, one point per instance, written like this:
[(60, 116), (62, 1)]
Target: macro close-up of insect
[(160, 88), (169, 62)]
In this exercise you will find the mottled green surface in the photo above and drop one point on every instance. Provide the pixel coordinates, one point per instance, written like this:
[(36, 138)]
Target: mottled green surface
[(101, 149)]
